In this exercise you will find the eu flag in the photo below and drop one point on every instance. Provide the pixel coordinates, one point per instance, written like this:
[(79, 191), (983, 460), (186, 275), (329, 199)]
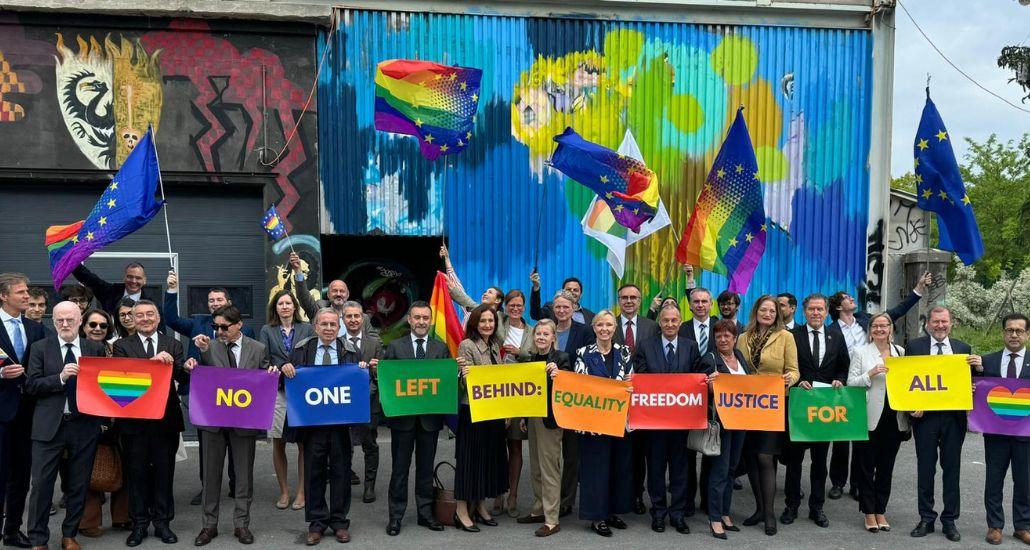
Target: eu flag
[(273, 224), (940, 188), (127, 204)]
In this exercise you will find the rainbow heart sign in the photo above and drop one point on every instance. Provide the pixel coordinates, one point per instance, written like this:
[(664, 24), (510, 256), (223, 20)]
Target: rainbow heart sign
[(1001, 406), (117, 387)]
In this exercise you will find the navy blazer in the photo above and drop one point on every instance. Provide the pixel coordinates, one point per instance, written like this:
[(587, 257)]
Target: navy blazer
[(109, 295), (687, 331), (193, 326), (921, 346), (580, 336), (997, 363), (172, 422), (836, 360), (401, 348), (11, 389), (537, 312), (44, 382), (650, 357)]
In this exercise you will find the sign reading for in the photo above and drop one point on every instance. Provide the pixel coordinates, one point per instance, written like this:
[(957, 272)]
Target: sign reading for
[(329, 395), (929, 383), (669, 402), (427, 386), (590, 403), (752, 402), (123, 388), (507, 391), (828, 414), (232, 398)]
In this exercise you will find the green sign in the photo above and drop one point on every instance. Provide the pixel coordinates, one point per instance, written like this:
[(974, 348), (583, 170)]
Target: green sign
[(418, 386), (827, 414)]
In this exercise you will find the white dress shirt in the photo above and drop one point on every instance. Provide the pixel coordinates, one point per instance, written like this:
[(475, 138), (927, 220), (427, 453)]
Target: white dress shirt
[(152, 338), (822, 343), (237, 349), (697, 332), (854, 335), (1006, 357), (77, 352), (946, 349), (414, 343)]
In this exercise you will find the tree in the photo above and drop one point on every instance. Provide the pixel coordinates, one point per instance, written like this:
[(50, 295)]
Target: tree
[(906, 182)]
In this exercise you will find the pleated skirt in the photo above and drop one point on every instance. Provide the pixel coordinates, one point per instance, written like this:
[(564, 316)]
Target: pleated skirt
[(482, 458)]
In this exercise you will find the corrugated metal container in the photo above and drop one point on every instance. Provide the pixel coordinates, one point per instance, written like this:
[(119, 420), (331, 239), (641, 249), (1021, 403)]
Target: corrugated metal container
[(674, 86)]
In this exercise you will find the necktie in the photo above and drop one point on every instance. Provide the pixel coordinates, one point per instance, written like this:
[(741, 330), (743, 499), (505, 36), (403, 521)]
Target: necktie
[(150, 346), (69, 386), (354, 342), (702, 339), (16, 339), (816, 352), (326, 358), (631, 341), (420, 349), (670, 355), (232, 355), (1012, 367), (940, 348)]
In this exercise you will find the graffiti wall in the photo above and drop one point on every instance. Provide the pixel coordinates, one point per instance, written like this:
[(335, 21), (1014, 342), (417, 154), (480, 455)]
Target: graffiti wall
[(674, 87), (223, 98)]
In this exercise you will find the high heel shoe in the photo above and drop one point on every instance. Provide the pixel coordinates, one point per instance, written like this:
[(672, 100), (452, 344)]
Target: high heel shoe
[(872, 528), (468, 529), (721, 536), (733, 528), (478, 518), (754, 519), (770, 527)]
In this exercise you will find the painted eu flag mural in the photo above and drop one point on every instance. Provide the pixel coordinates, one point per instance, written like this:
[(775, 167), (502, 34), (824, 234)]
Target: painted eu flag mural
[(940, 188)]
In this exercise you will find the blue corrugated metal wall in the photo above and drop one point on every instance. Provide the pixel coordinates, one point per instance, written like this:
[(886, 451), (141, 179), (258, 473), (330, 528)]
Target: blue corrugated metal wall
[(674, 86)]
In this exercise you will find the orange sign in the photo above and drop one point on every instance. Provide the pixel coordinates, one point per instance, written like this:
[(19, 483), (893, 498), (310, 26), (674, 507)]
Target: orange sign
[(752, 402), (590, 403)]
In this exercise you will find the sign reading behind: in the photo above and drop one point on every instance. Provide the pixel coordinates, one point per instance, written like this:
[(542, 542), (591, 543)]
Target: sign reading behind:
[(507, 391)]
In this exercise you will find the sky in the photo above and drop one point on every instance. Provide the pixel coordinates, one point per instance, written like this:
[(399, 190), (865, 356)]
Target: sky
[(972, 35)]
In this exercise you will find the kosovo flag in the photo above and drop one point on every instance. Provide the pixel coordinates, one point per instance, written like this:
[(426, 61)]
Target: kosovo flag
[(940, 188), (273, 224)]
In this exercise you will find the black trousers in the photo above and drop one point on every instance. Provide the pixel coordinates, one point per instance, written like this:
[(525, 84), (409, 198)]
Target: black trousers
[(721, 473), (570, 468), (843, 463), (16, 450), (403, 444), (366, 434), (692, 484), (638, 440), (794, 453), (939, 434), (327, 461), (606, 477), (1000, 452), (78, 438), (149, 470), (875, 475), (667, 451)]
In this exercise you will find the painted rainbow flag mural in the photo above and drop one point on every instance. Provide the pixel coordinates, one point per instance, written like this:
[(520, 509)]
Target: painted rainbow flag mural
[(124, 387), (1001, 406)]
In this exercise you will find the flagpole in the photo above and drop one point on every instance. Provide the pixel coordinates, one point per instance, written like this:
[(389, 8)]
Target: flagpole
[(287, 233), (164, 203)]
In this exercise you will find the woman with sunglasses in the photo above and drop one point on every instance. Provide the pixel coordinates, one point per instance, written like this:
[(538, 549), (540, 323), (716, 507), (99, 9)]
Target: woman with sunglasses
[(98, 326)]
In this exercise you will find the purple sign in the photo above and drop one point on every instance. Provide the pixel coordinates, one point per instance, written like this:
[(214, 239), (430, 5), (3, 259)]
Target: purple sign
[(232, 398), (1001, 406)]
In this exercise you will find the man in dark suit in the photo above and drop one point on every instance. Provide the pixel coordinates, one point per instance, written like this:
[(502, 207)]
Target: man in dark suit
[(822, 358), (17, 334), (669, 353), (327, 449), (110, 294), (149, 446), (573, 287), (370, 347), (939, 433), (337, 294), (417, 433), (632, 329), (235, 351), (699, 329), (1002, 450), (58, 428)]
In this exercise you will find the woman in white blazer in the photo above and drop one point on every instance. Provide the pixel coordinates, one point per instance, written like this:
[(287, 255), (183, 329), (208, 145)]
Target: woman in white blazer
[(887, 427)]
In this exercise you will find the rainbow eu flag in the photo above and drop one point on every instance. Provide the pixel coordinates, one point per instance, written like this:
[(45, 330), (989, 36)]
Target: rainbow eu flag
[(625, 184), (435, 103), (727, 229), (126, 205), (273, 224)]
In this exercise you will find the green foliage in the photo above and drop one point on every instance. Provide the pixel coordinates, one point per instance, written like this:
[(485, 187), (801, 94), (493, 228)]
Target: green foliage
[(905, 183), (983, 341)]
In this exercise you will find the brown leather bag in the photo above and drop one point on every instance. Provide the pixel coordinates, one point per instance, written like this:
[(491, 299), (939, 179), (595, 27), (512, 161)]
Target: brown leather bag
[(107, 469), (444, 505)]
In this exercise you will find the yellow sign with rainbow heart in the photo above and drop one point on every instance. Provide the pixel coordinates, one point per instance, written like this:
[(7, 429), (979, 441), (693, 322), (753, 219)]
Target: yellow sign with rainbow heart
[(929, 383)]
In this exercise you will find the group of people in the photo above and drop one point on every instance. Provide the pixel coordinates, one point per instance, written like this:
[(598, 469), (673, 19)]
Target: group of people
[(43, 436)]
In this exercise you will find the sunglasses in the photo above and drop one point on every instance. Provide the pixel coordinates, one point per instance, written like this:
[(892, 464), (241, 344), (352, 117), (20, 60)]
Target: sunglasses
[(224, 328), (94, 324)]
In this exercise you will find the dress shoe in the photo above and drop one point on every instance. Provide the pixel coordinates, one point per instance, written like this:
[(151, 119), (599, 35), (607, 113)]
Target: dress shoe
[(616, 522), (754, 519), (314, 537), (951, 532), (197, 499), (342, 536), (545, 531), (17, 540), (467, 528), (165, 534), (136, 537), (922, 529), (770, 528), (730, 528), (601, 528), (638, 506), (658, 525), (369, 496), (91, 532), (564, 511), (354, 479), (819, 518), (835, 492), (1023, 535), (69, 543), (243, 535), (431, 524), (681, 527), (790, 513), (993, 536), (720, 536), (480, 519), (530, 519), (393, 528), (205, 536)]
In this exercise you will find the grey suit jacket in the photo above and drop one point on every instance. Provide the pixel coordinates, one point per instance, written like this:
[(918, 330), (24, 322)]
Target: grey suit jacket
[(273, 341), (253, 355), (643, 329), (371, 348)]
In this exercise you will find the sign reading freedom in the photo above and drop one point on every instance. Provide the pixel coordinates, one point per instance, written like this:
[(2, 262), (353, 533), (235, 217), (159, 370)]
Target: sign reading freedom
[(118, 387), (507, 391), (752, 402), (232, 398), (669, 402), (426, 386), (1001, 406), (929, 383), (828, 414), (590, 403), (328, 395)]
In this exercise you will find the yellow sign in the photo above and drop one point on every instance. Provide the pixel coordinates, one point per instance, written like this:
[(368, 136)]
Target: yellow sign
[(507, 391), (929, 383)]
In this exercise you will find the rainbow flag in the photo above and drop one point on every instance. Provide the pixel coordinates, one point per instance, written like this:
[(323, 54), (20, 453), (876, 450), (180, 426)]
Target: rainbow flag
[(435, 103), (445, 326), (727, 229), (624, 183)]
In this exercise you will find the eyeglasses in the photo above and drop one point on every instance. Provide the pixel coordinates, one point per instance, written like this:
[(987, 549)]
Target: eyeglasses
[(629, 298), (94, 324), (221, 328), (1015, 331), (58, 321), (125, 315)]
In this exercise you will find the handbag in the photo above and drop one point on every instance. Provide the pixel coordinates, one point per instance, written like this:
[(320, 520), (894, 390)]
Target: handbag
[(107, 470), (705, 441), (444, 505)]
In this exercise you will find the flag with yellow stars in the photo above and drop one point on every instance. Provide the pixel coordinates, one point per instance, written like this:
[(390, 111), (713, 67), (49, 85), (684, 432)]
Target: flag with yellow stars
[(940, 188), (727, 229), (625, 184), (435, 103), (127, 204)]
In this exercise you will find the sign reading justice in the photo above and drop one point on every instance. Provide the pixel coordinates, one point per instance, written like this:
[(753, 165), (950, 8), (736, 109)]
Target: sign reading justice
[(752, 402)]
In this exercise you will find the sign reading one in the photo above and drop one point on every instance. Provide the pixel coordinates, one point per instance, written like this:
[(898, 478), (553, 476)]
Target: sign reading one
[(828, 414), (669, 402), (328, 395), (118, 387), (232, 398), (590, 403), (752, 402), (507, 391), (929, 383), (427, 386)]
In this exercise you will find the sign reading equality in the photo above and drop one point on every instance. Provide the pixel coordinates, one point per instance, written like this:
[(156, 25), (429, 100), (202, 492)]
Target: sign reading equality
[(1001, 406), (929, 383), (118, 387), (328, 395), (232, 398), (507, 391), (590, 403), (828, 414), (669, 402), (426, 386), (752, 402)]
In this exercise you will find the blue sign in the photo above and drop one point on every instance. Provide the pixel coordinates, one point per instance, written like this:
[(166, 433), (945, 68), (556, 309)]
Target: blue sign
[(328, 395)]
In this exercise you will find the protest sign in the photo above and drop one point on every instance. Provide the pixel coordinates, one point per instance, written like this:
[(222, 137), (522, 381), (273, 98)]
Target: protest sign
[(590, 403), (328, 395), (669, 402), (118, 387), (507, 391), (232, 398), (418, 386), (753, 402)]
